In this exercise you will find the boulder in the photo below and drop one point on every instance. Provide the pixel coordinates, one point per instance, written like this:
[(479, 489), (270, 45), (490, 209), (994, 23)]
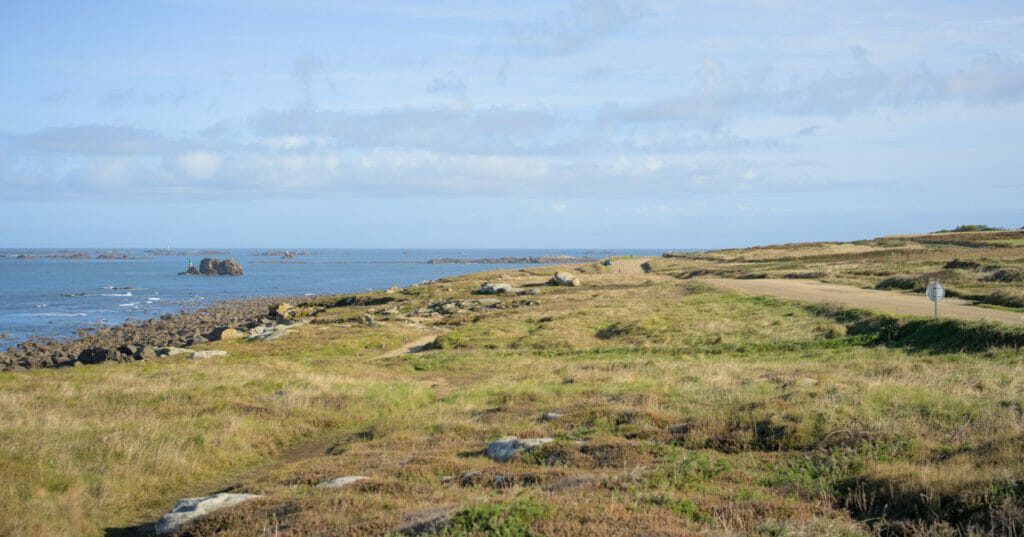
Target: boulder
[(190, 508), (208, 354), (172, 351), (448, 307), (210, 266), (227, 334), (507, 447), (367, 320), (100, 355), (339, 482), (147, 352), (229, 267), (281, 310), (495, 288), (564, 278)]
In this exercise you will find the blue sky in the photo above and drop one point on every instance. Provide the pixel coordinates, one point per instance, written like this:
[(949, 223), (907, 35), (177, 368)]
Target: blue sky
[(315, 123)]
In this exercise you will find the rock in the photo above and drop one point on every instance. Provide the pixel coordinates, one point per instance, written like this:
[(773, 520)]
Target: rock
[(506, 447), (488, 301), (210, 266), (147, 352), (552, 416), (367, 320), (208, 354), (495, 288), (564, 278), (339, 482), (391, 290), (280, 310), (449, 307), (269, 333), (100, 355), (533, 291), (172, 351), (190, 508), (227, 334)]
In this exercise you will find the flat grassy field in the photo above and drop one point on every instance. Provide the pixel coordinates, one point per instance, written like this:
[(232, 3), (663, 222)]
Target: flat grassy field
[(675, 409)]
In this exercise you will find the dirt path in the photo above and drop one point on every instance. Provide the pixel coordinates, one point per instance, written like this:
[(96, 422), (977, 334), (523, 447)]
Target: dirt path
[(890, 301), (628, 266), (418, 345)]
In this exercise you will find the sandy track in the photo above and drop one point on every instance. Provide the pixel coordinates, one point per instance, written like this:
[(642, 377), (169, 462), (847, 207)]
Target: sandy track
[(889, 301), (411, 347), (628, 266)]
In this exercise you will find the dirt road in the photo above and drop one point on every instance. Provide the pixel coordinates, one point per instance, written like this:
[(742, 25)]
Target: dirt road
[(889, 301), (628, 266)]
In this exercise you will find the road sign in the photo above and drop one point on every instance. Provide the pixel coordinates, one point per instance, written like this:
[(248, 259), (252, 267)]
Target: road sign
[(936, 292)]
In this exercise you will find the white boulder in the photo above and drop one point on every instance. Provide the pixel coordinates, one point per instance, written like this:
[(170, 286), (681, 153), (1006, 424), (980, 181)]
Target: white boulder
[(190, 508)]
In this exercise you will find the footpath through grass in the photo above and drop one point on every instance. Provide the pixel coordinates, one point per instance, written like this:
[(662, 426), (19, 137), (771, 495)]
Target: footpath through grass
[(674, 409)]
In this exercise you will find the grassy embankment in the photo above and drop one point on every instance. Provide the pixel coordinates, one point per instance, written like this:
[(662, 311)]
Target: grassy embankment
[(681, 410)]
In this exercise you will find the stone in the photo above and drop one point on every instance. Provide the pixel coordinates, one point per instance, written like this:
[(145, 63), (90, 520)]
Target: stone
[(191, 508), (488, 301), (228, 334), (208, 354), (367, 320), (507, 447), (339, 482), (100, 355), (208, 266), (564, 278), (172, 351), (552, 416), (281, 310), (147, 352), (533, 291), (495, 288), (269, 333), (449, 307), (215, 267)]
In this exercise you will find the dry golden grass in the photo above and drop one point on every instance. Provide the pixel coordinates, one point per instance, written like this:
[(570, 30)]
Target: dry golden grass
[(680, 411)]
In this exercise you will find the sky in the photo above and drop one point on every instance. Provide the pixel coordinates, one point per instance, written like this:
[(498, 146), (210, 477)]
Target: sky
[(511, 124)]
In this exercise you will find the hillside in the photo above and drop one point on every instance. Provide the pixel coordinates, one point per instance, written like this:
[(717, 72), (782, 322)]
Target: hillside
[(673, 405)]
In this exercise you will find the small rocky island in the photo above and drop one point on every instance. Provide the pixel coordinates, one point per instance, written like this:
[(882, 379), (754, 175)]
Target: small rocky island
[(215, 267)]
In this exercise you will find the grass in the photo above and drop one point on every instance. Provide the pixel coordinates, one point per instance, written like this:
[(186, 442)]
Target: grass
[(677, 409)]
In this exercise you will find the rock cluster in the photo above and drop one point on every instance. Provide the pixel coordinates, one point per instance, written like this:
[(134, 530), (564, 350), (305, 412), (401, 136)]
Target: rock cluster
[(211, 266), (139, 340)]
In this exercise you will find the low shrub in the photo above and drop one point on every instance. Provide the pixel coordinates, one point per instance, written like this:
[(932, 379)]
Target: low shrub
[(1005, 275), (1013, 298)]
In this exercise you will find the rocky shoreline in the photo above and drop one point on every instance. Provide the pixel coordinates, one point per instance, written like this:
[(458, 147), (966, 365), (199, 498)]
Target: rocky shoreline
[(139, 340)]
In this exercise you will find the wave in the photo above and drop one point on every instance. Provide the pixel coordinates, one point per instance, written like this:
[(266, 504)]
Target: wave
[(54, 314), (129, 304), (129, 293)]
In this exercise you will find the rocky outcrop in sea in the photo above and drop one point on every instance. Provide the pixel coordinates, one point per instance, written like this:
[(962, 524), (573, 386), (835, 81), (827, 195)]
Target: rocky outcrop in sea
[(211, 266)]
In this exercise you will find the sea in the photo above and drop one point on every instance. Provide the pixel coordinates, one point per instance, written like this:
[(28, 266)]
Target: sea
[(56, 292)]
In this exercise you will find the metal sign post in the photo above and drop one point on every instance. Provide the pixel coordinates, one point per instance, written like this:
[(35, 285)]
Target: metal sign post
[(935, 293)]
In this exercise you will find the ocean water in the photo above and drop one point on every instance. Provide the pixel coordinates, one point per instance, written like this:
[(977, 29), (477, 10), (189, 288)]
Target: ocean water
[(45, 297)]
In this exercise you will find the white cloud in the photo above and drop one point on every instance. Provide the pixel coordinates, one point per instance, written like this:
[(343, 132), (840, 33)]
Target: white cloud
[(200, 164)]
